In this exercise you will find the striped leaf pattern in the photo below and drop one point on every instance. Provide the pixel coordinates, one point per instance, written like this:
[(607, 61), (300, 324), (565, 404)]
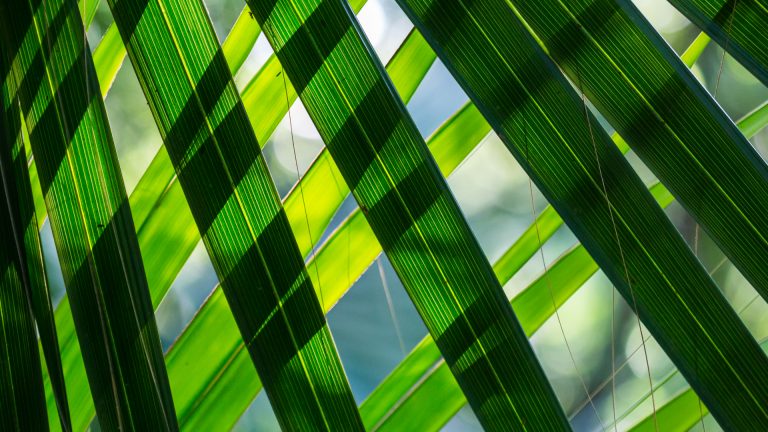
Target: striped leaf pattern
[(543, 122), (237, 211), (737, 25), (21, 385), (406, 201), (89, 214), (528, 69), (670, 121), (13, 158)]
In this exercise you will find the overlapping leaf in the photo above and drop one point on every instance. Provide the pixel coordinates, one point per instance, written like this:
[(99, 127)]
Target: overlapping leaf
[(214, 151), (52, 70), (550, 131), (157, 199), (21, 383), (679, 414), (384, 161), (736, 25), (659, 108), (213, 395), (406, 389)]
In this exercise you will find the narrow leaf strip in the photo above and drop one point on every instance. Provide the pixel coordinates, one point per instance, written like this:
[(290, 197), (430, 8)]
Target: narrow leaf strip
[(736, 25), (394, 179), (666, 116), (216, 156), (240, 40), (156, 200), (22, 402), (678, 415), (401, 387), (420, 383), (13, 158), (551, 132), (213, 395), (52, 70)]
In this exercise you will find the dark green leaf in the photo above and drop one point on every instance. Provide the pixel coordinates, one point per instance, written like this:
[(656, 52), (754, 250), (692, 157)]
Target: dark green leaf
[(212, 395), (14, 160), (156, 200), (22, 402), (189, 88), (92, 226), (737, 25), (394, 179), (420, 382), (550, 131), (632, 76)]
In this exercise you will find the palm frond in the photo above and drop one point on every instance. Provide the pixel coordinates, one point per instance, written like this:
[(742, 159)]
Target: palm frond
[(548, 78), (225, 375), (632, 76), (681, 413), (383, 159), (551, 132), (407, 388), (736, 25), (214, 151), (420, 381), (156, 200), (14, 157), (23, 292), (91, 220)]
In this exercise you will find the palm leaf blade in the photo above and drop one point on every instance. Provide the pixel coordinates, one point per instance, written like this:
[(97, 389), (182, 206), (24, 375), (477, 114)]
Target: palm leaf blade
[(21, 383), (738, 26), (188, 85), (224, 386), (659, 108), (420, 379), (91, 223), (591, 182), (156, 200), (384, 161)]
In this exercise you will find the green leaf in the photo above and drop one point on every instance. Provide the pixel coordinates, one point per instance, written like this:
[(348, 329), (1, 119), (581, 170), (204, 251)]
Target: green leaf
[(22, 403), (21, 384), (88, 9), (695, 49), (107, 58), (680, 414), (638, 83), (216, 156), (736, 25), (156, 200), (548, 221), (91, 221), (344, 256), (240, 40), (13, 158), (353, 246), (420, 382), (383, 401), (394, 179), (457, 132), (550, 131), (220, 390)]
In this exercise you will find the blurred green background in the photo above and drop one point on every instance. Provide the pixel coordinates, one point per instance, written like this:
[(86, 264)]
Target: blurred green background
[(375, 325)]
